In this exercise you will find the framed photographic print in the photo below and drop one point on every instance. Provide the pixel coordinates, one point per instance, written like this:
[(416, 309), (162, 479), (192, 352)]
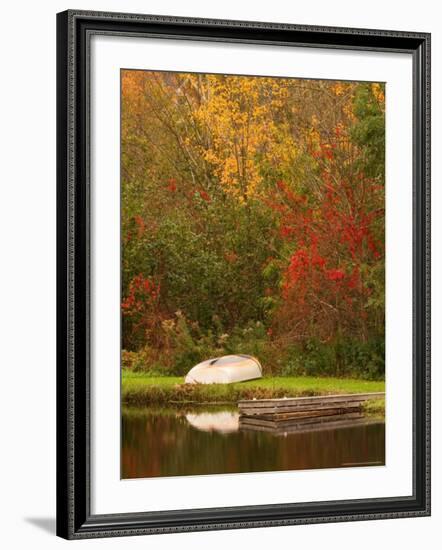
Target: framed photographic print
[(243, 274)]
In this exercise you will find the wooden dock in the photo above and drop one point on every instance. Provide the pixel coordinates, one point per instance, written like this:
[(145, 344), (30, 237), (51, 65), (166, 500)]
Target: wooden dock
[(304, 413)]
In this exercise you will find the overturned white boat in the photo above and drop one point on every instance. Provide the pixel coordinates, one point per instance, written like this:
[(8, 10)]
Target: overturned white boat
[(225, 370)]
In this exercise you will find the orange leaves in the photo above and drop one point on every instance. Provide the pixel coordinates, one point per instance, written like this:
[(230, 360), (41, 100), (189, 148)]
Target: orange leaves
[(132, 88), (339, 88)]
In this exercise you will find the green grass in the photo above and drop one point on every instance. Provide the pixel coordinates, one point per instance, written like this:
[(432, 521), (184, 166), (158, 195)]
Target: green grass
[(375, 408), (141, 390)]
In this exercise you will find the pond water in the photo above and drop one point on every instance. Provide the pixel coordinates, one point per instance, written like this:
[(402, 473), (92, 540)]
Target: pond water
[(173, 442)]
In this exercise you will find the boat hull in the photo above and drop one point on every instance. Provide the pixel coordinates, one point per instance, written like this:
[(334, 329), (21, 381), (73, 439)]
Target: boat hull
[(225, 370)]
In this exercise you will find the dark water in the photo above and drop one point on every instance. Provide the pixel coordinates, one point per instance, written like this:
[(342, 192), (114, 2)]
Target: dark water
[(207, 441)]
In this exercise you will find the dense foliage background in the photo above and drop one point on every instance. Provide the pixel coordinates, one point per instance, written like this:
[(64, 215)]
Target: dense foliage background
[(253, 222)]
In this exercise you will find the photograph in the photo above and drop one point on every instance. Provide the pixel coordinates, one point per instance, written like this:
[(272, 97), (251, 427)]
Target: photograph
[(252, 248)]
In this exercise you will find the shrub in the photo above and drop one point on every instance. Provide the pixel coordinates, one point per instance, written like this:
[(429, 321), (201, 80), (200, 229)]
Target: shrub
[(350, 358)]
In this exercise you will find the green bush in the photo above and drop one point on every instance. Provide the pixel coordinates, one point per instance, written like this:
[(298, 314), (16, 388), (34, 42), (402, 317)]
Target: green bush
[(187, 347), (350, 358)]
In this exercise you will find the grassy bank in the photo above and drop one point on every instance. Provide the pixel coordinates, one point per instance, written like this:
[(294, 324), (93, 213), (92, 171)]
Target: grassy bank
[(375, 408), (141, 390)]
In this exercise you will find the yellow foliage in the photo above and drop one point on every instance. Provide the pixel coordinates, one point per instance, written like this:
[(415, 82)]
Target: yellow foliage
[(239, 118), (232, 133), (379, 94), (338, 88)]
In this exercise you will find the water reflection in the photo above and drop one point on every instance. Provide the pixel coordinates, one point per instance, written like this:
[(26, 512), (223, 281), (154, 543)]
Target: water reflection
[(172, 442), (220, 421)]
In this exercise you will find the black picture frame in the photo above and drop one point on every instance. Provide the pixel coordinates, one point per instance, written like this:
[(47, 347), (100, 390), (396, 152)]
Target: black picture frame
[(74, 518)]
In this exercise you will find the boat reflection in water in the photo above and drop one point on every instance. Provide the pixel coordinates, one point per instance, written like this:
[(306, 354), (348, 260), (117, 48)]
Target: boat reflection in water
[(230, 421), (158, 442), (221, 421)]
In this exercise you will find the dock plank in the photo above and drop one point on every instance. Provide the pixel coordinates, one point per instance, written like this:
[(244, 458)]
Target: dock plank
[(303, 407), (306, 412), (298, 401)]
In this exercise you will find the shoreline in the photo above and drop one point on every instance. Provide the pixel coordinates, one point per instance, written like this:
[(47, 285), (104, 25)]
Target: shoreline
[(139, 390)]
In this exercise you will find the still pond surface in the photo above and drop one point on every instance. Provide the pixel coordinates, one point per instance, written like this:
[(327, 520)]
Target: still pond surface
[(175, 442)]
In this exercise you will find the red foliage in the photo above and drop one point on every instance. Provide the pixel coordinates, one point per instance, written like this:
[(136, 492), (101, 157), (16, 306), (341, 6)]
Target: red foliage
[(335, 274), (143, 293), (332, 238), (204, 195), (231, 256), (141, 308), (140, 225), (171, 186)]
